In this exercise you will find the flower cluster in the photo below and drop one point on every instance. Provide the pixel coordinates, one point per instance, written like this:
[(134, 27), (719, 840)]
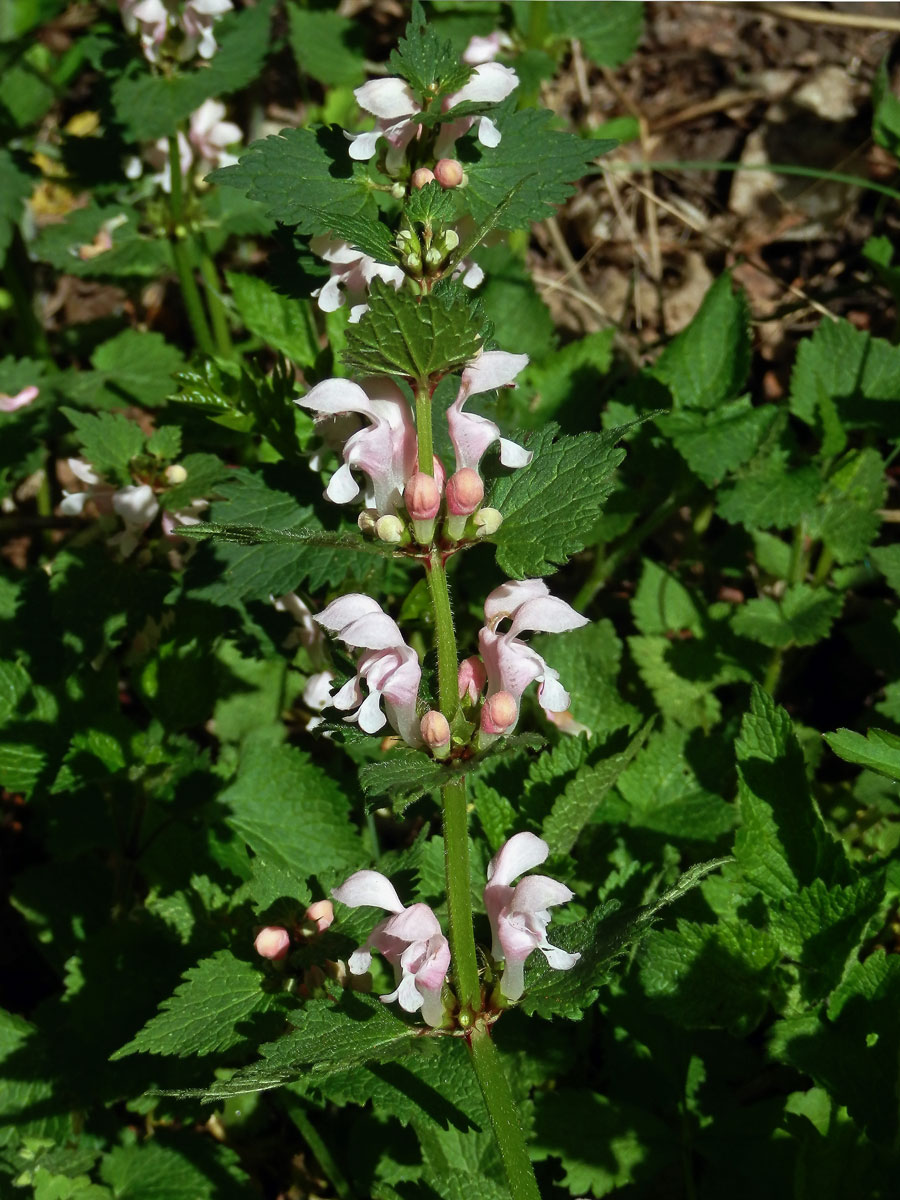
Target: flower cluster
[(413, 943), (385, 450), (136, 504), (205, 145), (183, 28)]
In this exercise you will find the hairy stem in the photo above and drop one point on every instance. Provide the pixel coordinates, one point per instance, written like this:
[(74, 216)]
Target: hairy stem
[(217, 311), (423, 427), (504, 1116), (459, 902), (445, 637), (180, 252)]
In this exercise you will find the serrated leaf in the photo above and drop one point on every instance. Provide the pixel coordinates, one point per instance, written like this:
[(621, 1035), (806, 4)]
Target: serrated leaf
[(430, 205), (14, 684), (774, 496), (283, 323), (878, 751), (371, 237), (289, 811), (708, 362), (600, 939), (134, 367), (177, 1166), (152, 106), (588, 661), (206, 1012), (327, 46), (426, 60), (803, 616), (582, 796), (550, 507), (330, 1037), (131, 254), (404, 776), (662, 604), (273, 169), (715, 443), (608, 32), (412, 337), (782, 844), (542, 162), (109, 441)]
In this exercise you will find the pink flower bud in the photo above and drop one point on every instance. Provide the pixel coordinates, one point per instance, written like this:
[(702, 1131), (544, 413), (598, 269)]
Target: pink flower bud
[(273, 942), (465, 492), (448, 172), (422, 497), (421, 177), (499, 713), (389, 529), (435, 729), (176, 474), (321, 913), (472, 678)]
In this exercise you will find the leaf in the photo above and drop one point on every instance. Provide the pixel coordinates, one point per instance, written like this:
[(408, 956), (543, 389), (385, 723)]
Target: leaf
[(330, 1037), (565, 376), (404, 775), (710, 976), (152, 106), (627, 1146), (588, 661), (579, 801), (848, 519), (550, 508), (291, 813), (662, 604), (176, 1166), (205, 1013), (803, 616), (601, 939), (415, 338), (283, 323), (782, 844), (514, 305), (430, 205), (772, 496), (15, 188), (326, 46), (109, 442), (425, 60), (886, 115), (131, 254), (608, 32), (540, 161), (708, 362), (300, 174), (713, 444), (131, 368), (878, 751), (373, 238)]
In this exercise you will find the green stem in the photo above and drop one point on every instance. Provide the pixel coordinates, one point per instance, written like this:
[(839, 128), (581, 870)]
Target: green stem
[(606, 565), (217, 310), (310, 1135), (773, 670), (180, 252), (448, 667), (504, 1117), (31, 337), (459, 901), (423, 427), (823, 566)]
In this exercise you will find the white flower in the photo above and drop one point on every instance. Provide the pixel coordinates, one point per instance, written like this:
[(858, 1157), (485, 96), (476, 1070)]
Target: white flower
[(11, 404), (351, 273), (410, 939), (519, 915), (471, 434)]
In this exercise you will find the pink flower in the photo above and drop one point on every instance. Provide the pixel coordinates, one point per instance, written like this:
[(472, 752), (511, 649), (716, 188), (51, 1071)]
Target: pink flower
[(197, 20), (153, 19), (489, 83), (273, 942), (512, 665), (471, 434), (208, 135), (410, 939), (389, 668), (321, 914), (351, 272), (519, 915), (11, 404), (386, 450), (485, 49)]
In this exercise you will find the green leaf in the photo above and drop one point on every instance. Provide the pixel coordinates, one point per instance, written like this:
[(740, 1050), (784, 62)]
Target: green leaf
[(370, 237), (579, 801), (803, 616), (15, 188), (415, 338), (564, 376), (291, 813), (847, 520), (428, 62), (273, 169), (710, 976), (131, 254), (550, 507), (330, 1037), (174, 1166), (512, 302), (205, 1014), (542, 163), (14, 685), (886, 114), (326, 46), (430, 205), (772, 496), (588, 661), (134, 367), (404, 775), (708, 362), (283, 323), (627, 1147), (782, 844), (662, 604), (608, 32), (715, 443), (600, 939), (109, 442), (879, 750), (152, 106)]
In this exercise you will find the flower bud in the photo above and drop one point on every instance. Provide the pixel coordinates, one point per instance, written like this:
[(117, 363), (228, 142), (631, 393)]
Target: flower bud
[(366, 521), (448, 172), (176, 474), (433, 257), (413, 262), (487, 521), (472, 678), (389, 529), (435, 730), (273, 942), (499, 713), (398, 190), (421, 177), (321, 914), (422, 497), (465, 492)]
